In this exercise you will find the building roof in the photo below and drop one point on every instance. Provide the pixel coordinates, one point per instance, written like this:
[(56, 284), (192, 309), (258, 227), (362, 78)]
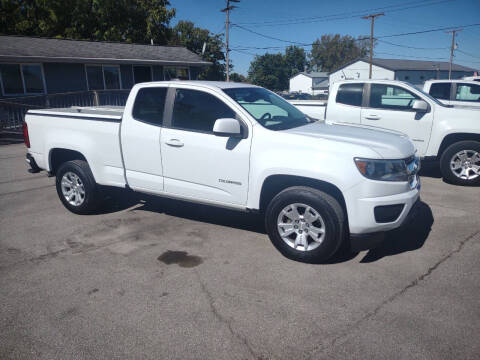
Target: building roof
[(313, 74), (402, 64), (30, 49)]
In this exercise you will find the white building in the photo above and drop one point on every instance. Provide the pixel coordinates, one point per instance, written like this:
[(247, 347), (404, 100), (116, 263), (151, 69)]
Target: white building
[(413, 71), (309, 83)]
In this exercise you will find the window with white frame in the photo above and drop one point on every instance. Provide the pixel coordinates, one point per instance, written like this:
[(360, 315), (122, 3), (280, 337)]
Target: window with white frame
[(103, 77), (172, 72), (22, 79)]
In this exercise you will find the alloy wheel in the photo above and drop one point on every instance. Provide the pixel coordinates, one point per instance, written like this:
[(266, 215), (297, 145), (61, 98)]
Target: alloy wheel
[(301, 227)]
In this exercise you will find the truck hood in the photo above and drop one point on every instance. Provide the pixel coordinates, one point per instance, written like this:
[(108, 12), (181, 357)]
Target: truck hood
[(387, 144)]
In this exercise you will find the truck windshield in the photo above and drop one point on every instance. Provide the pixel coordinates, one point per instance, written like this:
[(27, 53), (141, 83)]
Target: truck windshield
[(436, 101), (270, 110)]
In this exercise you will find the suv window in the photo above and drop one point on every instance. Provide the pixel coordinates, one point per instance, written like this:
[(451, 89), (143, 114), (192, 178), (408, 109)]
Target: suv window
[(149, 105), (391, 97), (350, 94), (197, 110), (441, 90), (468, 92)]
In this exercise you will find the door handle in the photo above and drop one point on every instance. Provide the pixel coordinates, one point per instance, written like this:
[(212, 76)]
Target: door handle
[(174, 143), (372, 117)]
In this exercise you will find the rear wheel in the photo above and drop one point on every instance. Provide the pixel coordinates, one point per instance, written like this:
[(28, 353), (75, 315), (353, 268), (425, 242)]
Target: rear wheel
[(460, 163), (305, 224), (76, 187)]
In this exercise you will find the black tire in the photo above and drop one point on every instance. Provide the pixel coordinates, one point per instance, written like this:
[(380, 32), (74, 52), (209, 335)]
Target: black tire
[(447, 157), (92, 198), (324, 204)]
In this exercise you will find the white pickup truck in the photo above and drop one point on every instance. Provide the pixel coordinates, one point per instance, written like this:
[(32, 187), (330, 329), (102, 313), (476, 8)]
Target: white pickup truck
[(439, 132), (237, 146), (465, 93)]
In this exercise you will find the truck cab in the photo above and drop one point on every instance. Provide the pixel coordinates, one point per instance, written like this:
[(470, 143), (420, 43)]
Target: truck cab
[(454, 92), (440, 132)]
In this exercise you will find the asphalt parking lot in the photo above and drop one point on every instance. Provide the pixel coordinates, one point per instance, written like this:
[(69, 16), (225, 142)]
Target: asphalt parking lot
[(157, 279)]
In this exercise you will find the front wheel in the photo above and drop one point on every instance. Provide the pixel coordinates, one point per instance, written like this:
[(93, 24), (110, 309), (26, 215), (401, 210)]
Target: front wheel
[(460, 163), (76, 187), (305, 224)]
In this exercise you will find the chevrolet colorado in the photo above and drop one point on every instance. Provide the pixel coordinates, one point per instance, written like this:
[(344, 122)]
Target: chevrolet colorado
[(237, 146), (459, 93), (450, 135)]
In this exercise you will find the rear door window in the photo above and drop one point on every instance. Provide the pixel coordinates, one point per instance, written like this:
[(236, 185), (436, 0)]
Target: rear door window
[(441, 90), (468, 92), (149, 105), (195, 110), (350, 94)]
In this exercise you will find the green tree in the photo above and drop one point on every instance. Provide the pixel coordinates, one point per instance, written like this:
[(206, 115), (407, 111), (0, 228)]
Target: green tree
[(236, 77), (138, 21), (295, 59), (332, 51), (270, 71), (185, 33)]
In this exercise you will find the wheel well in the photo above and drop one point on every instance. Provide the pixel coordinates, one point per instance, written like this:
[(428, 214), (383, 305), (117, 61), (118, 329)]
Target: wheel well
[(59, 156), (276, 183), (453, 138)]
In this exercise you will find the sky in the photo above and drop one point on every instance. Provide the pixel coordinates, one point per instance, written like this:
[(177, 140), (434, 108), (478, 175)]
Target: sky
[(303, 21)]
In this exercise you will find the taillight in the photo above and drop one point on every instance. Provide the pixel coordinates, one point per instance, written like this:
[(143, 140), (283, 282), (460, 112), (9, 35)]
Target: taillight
[(25, 134)]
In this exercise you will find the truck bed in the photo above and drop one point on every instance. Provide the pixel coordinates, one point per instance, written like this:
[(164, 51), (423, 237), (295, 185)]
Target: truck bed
[(92, 131), (113, 113), (313, 108)]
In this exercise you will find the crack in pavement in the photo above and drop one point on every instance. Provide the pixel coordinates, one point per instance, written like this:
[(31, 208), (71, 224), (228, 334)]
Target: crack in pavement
[(393, 297), (222, 319), (449, 207)]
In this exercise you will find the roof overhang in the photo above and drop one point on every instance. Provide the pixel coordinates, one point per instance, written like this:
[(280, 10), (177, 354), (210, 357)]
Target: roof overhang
[(43, 59)]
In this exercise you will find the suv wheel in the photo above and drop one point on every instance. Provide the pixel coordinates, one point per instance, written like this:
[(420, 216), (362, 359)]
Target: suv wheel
[(305, 224), (460, 163), (76, 187)]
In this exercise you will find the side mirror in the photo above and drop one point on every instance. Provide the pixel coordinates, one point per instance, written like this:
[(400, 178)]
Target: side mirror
[(227, 127), (420, 106)]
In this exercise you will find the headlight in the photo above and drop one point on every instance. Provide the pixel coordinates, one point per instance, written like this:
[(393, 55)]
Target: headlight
[(383, 170)]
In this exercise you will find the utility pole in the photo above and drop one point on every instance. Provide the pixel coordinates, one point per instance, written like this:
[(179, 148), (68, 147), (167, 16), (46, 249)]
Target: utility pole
[(227, 26), (372, 17), (452, 49)]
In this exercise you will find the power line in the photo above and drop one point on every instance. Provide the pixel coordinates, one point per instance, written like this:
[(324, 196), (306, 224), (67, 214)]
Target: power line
[(359, 39), (267, 36), (428, 31), (244, 52), (346, 15), (465, 53), (412, 47), (409, 56)]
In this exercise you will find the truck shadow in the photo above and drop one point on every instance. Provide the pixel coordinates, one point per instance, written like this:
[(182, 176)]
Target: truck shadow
[(431, 169), (122, 200), (408, 238)]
